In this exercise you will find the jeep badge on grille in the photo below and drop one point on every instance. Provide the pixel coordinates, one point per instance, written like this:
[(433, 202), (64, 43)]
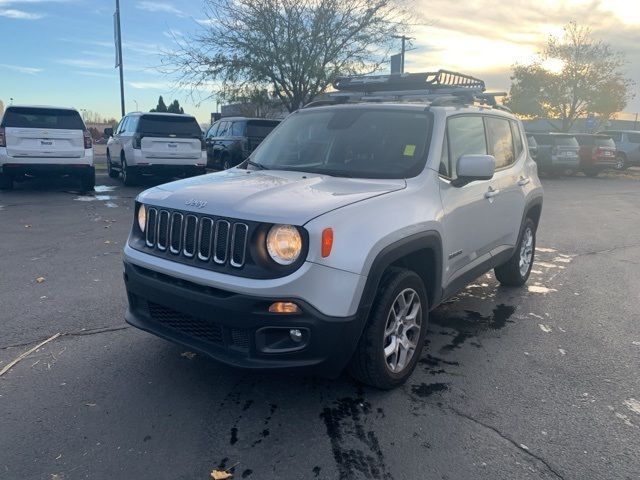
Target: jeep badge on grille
[(192, 202)]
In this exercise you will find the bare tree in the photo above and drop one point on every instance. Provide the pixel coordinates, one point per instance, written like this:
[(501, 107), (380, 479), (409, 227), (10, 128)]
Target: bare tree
[(292, 49), (591, 80)]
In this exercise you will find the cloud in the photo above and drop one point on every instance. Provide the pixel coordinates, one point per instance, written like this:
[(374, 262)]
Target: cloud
[(21, 69), (20, 14), (150, 85), (162, 7)]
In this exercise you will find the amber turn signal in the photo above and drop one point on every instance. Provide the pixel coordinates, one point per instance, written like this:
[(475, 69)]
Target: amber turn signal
[(284, 307), (327, 242)]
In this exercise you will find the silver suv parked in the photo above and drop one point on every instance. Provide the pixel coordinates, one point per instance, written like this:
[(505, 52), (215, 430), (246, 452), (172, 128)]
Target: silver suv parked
[(331, 243), (627, 146), (166, 144)]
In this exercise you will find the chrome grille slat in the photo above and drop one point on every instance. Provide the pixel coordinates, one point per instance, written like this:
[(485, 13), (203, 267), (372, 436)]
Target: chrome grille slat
[(150, 229), (175, 234), (162, 236), (238, 244), (190, 236), (205, 235), (221, 241)]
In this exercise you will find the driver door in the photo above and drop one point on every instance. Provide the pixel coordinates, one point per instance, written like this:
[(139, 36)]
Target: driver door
[(470, 222)]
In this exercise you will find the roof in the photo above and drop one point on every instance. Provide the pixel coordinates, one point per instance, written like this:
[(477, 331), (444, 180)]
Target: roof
[(238, 119), (7, 107), (161, 114)]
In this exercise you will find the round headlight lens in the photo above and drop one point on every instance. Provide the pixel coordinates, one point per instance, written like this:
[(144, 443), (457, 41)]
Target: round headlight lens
[(284, 244), (142, 218)]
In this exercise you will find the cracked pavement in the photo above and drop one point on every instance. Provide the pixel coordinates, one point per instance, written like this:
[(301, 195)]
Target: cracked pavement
[(534, 383)]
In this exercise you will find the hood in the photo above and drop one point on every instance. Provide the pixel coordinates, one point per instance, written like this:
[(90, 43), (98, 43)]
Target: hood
[(274, 196)]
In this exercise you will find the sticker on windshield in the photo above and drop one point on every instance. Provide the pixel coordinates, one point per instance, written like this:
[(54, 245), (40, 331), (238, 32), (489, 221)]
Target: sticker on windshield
[(409, 150)]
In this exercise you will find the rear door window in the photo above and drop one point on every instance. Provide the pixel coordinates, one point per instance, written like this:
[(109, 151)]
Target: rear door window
[(260, 128), (165, 126), (212, 131), (500, 141), (237, 130), (466, 137), (49, 118)]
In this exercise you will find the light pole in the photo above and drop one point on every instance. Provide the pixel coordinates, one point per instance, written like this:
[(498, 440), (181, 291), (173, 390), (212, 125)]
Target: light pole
[(136, 102), (11, 101), (119, 50), (404, 38)]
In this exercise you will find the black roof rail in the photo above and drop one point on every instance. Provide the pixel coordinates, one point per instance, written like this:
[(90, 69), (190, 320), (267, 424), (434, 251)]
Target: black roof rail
[(430, 81)]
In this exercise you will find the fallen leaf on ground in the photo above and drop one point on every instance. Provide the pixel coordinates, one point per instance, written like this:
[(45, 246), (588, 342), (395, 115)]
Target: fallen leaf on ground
[(107, 241), (220, 475), (189, 355), (40, 279), (90, 404), (27, 226)]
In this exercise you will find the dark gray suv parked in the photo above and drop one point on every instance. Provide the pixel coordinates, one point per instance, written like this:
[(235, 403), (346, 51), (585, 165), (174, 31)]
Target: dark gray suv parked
[(231, 140)]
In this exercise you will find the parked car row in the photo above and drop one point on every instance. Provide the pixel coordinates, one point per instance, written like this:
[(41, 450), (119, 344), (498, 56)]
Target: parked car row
[(559, 153)]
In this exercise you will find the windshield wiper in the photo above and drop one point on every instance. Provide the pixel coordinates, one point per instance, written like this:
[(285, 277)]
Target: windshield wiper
[(257, 165)]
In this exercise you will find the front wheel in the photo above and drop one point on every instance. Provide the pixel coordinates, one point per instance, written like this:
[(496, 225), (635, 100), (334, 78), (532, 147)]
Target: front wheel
[(226, 162), (515, 272), (390, 346), (621, 163)]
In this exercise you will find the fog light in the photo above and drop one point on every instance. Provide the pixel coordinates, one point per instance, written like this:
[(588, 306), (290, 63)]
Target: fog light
[(284, 307), (295, 334)]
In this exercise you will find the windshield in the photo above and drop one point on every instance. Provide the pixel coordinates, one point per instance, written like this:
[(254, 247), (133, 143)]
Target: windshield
[(169, 125), (51, 118), (349, 141), (565, 141)]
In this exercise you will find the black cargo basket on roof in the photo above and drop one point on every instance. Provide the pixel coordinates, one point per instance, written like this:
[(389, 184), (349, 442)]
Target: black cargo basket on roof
[(440, 81)]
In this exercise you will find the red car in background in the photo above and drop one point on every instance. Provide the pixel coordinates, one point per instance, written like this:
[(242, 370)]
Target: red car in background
[(597, 153)]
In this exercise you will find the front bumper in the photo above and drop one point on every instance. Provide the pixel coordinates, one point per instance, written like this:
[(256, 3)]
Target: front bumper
[(237, 329), (45, 169)]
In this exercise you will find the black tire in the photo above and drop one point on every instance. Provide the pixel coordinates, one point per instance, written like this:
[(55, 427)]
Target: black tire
[(88, 181), (592, 172), (129, 178), (621, 162), (110, 170), (509, 273), (368, 364), (6, 182), (226, 162)]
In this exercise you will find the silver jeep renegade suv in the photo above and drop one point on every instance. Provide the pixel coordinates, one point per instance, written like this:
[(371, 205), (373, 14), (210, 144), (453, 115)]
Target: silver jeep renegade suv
[(353, 219)]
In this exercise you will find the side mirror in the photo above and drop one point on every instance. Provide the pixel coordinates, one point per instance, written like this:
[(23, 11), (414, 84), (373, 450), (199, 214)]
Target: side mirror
[(470, 168), (108, 132)]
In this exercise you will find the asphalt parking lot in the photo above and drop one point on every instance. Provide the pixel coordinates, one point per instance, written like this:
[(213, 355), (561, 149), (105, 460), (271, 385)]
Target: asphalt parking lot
[(540, 382)]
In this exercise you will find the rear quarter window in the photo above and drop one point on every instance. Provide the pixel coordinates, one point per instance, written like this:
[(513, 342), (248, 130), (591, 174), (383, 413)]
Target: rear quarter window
[(169, 125), (634, 137), (50, 118)]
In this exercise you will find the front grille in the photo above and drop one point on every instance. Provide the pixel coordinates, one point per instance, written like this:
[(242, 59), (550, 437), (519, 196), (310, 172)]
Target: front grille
[(197, 237), (186, 324)]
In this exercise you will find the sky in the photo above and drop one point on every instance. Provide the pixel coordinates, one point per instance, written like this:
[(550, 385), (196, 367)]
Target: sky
[(61, 52)]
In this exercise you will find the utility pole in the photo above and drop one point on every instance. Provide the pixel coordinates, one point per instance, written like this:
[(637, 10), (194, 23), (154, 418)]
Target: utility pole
[(119, 50), (404, 39)]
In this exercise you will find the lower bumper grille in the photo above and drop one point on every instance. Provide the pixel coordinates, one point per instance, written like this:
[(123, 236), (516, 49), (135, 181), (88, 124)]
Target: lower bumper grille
[(186, 324), (198, 328)]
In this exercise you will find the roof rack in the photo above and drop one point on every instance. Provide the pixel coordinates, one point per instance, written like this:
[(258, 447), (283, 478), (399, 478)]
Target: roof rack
[(439, 88)]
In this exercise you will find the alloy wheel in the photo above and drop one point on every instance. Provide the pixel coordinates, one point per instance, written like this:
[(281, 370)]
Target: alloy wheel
[(402, 330), (526, 251)]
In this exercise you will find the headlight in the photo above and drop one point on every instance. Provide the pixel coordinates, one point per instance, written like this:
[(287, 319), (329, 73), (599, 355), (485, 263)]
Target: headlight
[(284, 244), (142, 217)]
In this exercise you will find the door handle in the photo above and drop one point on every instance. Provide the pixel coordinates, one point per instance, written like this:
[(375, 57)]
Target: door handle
[(523, 181), (492, 192)]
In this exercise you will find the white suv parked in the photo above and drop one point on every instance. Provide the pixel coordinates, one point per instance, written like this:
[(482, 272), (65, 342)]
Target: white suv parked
[(331, 243), (155, 143), (44, 141)]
